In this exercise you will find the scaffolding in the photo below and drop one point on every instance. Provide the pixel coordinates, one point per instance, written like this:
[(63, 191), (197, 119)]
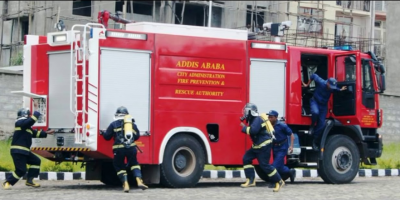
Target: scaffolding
[(313, 34)]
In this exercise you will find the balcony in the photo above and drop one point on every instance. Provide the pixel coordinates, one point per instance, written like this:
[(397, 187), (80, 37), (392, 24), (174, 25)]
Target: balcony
[(355, 5)]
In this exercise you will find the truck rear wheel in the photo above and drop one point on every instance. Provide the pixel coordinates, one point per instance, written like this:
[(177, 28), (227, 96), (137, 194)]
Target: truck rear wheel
[(341, 159), (183, 162)]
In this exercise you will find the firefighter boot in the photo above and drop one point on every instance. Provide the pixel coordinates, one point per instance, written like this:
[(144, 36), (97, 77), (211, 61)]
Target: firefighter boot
[(250, 182), (6, 185), (29, 182), (124, 179), (140, 184), (126, 186), (279, 185)]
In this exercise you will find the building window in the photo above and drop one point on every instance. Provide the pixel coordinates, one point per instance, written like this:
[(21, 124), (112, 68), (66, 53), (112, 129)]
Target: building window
[(82, 8), (139, 7), (258, 18), (310, 20), (378, 24), (342, 30)]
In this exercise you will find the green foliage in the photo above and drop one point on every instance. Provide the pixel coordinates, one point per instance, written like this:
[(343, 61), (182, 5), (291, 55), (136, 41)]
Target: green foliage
[(7, 163), (17, 59), (390, 158)]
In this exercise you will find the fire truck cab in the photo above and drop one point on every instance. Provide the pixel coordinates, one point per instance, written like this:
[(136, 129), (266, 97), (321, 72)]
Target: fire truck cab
[(186, 87)]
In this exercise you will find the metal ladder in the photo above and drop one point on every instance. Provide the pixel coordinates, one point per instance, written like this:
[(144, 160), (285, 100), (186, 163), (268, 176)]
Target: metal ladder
[(78, 58)]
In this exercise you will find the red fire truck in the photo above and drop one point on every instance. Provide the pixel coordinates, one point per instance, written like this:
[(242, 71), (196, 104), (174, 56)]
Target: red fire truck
[(186, 87)]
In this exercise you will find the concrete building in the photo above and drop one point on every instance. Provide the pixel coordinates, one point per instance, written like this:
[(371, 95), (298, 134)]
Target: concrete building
[(326, 20)]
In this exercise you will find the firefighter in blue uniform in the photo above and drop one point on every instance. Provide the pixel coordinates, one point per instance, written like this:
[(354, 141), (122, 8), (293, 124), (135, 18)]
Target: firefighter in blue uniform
[(20, 149), (125, 133), (261, 148), (319, 104), (280, 146)]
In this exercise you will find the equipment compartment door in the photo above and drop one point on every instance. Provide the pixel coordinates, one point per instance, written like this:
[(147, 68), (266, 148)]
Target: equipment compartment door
[(125, 81), (267, 85), (346, 67), (60, 115)]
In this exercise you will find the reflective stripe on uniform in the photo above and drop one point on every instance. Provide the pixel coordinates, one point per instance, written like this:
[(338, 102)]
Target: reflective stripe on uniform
[(263, 125), (38, 134), (248, 130), (34, 118), (17, 128), (135, 167), (265, 143), (121, 172), (19, 147), (15, 175), (248, 166), (34, 167), (117, 129), (29, 131), (272, 173), (122, 146)]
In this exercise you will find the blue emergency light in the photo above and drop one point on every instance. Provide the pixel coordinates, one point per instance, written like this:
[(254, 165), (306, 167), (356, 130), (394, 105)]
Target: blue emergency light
[(343, 48)]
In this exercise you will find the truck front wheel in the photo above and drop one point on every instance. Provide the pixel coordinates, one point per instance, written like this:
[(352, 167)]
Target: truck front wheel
[(341, 160), (183, 162)]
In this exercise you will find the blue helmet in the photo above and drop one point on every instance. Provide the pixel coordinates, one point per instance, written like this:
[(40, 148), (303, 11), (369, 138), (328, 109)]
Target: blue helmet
[(23, 112)]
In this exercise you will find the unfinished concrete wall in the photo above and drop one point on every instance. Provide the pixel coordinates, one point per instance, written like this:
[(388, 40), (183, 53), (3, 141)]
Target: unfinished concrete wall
[(9, 103), (392, 48)]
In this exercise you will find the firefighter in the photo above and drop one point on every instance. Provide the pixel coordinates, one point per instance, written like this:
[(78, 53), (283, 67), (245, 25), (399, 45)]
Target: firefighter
[(125, 133), (319, 104), (280, 146), (261, 148), (20, 149)]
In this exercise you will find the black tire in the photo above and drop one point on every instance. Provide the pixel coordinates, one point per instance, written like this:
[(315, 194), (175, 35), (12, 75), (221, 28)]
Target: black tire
[(183, 162), (341, 160), (108, 174)]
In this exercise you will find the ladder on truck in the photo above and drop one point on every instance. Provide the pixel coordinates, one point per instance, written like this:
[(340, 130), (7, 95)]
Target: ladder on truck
[(78, 59)]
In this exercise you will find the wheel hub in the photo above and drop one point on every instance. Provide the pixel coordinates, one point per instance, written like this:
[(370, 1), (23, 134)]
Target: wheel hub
[(184, 161), (180, 162), (342, 160)]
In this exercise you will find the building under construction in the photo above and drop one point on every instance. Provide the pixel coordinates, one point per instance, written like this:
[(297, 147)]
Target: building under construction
[(314, 23)]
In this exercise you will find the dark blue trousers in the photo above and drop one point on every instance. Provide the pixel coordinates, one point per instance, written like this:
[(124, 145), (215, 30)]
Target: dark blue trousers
[(318, 113), (279, 153), (119, 162), (263, 156)]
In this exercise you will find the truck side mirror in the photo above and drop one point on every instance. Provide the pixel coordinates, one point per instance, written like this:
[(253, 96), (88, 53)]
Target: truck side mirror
[(382, 83)]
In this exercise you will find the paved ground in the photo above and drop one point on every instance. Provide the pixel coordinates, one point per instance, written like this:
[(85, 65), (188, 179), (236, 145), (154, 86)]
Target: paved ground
[(305, 188)]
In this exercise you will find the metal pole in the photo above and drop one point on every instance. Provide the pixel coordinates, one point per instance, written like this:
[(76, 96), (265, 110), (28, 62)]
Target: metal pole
[(209, 13), (372, 7)]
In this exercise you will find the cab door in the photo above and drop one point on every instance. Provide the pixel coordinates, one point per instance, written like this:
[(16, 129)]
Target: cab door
[(346, 70)]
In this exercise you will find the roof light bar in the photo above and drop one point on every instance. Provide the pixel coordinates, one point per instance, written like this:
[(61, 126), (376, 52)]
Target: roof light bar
[(268, 46), (61, 38), (134, 36)]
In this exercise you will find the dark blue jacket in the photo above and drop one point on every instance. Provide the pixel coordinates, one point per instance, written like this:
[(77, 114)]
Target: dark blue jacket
[(257, 131), (322, 93), (23, 134), (282, 131), (116, 130)]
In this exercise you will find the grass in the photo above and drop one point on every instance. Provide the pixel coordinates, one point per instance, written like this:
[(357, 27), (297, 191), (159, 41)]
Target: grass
[(7, 163), (390, 159)]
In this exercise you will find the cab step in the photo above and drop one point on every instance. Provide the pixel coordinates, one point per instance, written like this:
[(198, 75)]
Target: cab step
[(307, 164)]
